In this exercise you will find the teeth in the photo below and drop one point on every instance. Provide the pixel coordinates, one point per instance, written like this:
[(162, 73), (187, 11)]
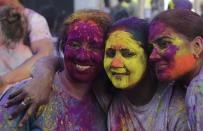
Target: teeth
[(82, 68)]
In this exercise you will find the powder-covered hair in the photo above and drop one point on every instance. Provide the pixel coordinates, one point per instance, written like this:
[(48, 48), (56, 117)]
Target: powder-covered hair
[(13, 26), (180, 4), (183, 21), (102, 19), (137, 27)]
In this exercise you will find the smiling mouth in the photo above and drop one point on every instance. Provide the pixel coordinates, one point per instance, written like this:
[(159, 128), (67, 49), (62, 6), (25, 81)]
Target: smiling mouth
[(82, 67), (115, 73), (119, 72)]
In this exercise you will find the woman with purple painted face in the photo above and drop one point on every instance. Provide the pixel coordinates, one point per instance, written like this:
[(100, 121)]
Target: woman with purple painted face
[(72, 105), (177, 38)]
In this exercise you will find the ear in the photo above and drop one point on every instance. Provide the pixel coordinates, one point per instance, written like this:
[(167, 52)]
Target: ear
[(197, 46)]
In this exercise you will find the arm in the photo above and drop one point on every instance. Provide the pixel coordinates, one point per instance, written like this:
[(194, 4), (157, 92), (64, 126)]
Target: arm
[(41, 46), (41, 49), (37, 89)]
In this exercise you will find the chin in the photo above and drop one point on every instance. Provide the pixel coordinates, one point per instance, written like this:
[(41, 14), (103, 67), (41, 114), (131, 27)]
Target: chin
[(83, 78), (164, 78), (120, 86)]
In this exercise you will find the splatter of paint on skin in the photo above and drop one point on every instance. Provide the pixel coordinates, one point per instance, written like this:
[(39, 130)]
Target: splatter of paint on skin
[(87, 31), (84, 48), (156, 28), (175, 68), (171, 54), (125, 60)]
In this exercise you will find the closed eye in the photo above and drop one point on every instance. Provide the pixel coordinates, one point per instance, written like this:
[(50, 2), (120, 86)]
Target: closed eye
[(75, 44)]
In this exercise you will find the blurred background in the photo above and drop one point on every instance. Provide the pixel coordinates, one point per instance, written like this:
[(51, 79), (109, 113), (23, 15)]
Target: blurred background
[(56, 10)]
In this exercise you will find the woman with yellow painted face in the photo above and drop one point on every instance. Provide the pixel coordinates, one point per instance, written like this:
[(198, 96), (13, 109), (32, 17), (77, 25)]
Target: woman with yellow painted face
[(139, 102)]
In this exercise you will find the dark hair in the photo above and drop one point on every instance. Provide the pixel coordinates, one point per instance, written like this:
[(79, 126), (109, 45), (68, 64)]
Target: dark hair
[(137, 27), (102, 19), (182, 21), (13, 26)]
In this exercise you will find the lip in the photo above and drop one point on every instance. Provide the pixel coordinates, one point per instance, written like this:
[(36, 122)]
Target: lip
[(161, 66), (83, 67), (120, 74), (83, 63)]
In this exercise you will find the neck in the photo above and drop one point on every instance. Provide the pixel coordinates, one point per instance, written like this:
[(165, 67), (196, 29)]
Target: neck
[(76, 89), (143, 92)]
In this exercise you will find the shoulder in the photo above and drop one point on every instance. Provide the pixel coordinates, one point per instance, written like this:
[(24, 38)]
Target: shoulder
[(37, 26), (33, 16)]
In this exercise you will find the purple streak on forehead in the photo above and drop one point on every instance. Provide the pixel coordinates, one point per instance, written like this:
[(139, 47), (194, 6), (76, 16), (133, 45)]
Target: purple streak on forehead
[(135, 26), (155, 29), (87, 31), (129, 23)]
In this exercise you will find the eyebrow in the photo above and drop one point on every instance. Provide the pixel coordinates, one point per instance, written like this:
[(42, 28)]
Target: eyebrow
[(162, 38)]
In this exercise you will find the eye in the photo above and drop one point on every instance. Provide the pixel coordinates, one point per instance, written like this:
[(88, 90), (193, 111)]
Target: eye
[(75, 44), (163, 44), (95, 46), (127, 53), (110, 52)]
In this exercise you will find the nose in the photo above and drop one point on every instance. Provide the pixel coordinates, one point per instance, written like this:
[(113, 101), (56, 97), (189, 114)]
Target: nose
[(83, 55), (154, 56), (117, 63)]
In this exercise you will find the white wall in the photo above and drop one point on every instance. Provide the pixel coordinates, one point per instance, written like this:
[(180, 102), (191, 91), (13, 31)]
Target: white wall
[(87, 4)]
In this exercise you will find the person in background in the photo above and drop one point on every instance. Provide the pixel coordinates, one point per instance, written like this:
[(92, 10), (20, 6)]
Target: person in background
[(39, 45), (180, 4), (72, 105), (39, 41), (119, 12), (201, 8)]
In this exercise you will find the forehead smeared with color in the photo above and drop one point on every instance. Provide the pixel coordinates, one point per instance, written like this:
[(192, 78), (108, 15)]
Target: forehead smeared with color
[(135, 26), (102, 19), (156, 27), (87, 31)]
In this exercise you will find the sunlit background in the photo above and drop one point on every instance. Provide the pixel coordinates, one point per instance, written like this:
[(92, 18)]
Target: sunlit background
[(56, 10)]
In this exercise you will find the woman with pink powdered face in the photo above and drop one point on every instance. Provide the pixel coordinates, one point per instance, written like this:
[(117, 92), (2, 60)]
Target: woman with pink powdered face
[(72, 105), (177, 38)]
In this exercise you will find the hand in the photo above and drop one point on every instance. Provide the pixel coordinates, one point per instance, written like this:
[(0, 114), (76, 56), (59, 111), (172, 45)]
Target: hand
[(28, 99)]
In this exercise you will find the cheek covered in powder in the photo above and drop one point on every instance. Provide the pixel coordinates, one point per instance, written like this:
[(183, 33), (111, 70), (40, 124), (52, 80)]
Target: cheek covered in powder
[(170, 52), (183, 64), (83, 53)]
